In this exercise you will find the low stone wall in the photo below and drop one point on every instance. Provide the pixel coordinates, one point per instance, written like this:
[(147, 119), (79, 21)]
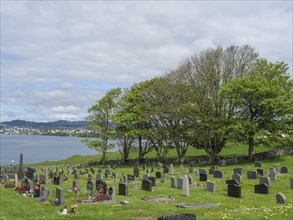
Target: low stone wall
[(204, 159)]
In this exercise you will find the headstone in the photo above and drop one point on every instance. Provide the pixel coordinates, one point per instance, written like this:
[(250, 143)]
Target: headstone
[(223, 163), (173, 182), (46, 175), (291, 183), (190, 180), (163, 179), (153, 179), (185, 188), (251, 174), (158, 175), (60, 195), (148, 171), (178, 217), (160, 165), (212, 170), (146, 176), (153, 168), (203, 177), (15, 180), (281, 198), (99, 176), (114, 175), (196, 173), (239, 171), (171, 169), (264, 180), (56, 180), (75, 176), (259, 171), (273, 175), (218, 174), (257, 163), (234, 191), (284, 169), (130, 177), (191, 170), (136, 171), (124, 178), (101, 186), (179, 182), (106, 174), (237, 177), (146, 185), (20, 169), (123, 189), (30, 185), (112, 193), (91, 187), (45, 192), (261, 189), (210, 186), (181, 167)]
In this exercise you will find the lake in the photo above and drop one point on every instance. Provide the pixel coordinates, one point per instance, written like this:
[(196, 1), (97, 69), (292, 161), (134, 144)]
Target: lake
[(39, 148)]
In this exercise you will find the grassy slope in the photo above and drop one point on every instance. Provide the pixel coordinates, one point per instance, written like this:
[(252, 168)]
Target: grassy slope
[(251, 206)]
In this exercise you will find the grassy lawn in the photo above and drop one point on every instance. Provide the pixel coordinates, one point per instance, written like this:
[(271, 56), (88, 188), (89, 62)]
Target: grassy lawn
[(250, 206)]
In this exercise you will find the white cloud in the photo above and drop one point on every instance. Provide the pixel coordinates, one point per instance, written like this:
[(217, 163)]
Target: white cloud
[(64, 53), (69, 108)]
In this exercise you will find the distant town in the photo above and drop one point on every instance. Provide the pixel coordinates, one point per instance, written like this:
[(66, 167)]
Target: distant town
[(58, 128)]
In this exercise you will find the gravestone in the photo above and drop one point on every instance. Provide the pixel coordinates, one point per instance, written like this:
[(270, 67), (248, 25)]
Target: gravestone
[(75, 176), (218, 174), (237, 177), (264, 180), (15, 180), (114, 175), (101, 186), (160, 165), (146, 185), (261, 189), (223, 163), (196, 173), (173, 182), (239, 171), (153, 168), (185, 187), (51, 174), (273, 175), (179, 182), (234, 191), (153, 179), (148, 171), (203, 177), (257, 163), (112, 193), (60, 195), (165, 169), (163, 179), (181, 167), (46, 175), (130, 177), (284, 169), (30, 185), (210, 186), (124, 178), (291, 183), (56, 180), (45, 192), (20, 169), (146, 176), (171, 169), (212, 170), (123, 189), (91, 187), (191, 169), (281, 198), (36, 190), (190, 180), (178, 217), (99, 176), (136, 171), (259, 171), (158, 175), (106, 174), (251, 174)]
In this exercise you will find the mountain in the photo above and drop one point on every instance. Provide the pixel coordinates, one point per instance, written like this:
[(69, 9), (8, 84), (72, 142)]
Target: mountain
[(55, 124)]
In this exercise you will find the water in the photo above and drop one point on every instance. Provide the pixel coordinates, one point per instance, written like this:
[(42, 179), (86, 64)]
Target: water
[(37, 148)]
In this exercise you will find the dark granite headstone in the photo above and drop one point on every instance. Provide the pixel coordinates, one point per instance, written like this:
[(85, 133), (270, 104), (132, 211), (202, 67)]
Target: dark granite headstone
[(232, 182), (259, 171), (123, 189), (146, 185), (284, 169), (60, 195), (218, 174), (158, 175), (234, 191), (203, 177), (261, 189)]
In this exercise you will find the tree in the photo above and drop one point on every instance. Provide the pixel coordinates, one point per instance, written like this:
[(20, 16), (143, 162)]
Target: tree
[(209, 111), (263, 102), (100, 122)]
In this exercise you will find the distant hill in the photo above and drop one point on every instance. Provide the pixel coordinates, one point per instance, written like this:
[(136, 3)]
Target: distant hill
[(55, 124)]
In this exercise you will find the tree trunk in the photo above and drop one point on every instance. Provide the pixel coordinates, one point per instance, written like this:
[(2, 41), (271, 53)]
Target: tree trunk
[(140, 153), (212, 158), (250, 148)]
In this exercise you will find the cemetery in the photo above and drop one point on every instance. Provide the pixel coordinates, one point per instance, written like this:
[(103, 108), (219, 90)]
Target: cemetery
[(149, 191)]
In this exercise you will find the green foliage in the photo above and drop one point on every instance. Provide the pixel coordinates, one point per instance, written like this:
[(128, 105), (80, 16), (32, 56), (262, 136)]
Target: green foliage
[(9, 184)]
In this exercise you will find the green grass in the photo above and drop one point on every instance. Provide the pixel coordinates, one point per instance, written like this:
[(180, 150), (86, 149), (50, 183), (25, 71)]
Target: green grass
[(251, 206)]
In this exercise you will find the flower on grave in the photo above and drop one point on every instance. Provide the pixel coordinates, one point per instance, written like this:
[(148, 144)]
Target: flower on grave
[(101, 191), (20, 189), (43, 199), (56, 202), (36, 188)]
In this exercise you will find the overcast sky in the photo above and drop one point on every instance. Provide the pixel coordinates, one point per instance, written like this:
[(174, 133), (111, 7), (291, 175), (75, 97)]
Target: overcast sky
[(59, 58)]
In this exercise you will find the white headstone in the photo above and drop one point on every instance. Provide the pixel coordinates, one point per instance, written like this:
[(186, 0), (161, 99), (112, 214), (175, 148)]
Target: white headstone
[(185, 189)]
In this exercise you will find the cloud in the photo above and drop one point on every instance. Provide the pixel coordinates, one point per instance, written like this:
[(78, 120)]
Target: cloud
[(71, 53), (69, 108)]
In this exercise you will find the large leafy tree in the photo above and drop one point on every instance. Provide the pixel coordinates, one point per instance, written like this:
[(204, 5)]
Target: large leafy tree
[(100, 122), (263, 103), (210, 112)]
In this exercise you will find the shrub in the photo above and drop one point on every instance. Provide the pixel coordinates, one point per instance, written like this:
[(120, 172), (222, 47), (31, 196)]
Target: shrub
[(9, 184)]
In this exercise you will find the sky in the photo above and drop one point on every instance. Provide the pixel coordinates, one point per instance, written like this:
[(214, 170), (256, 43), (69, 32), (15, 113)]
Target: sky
[(59, 57)]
